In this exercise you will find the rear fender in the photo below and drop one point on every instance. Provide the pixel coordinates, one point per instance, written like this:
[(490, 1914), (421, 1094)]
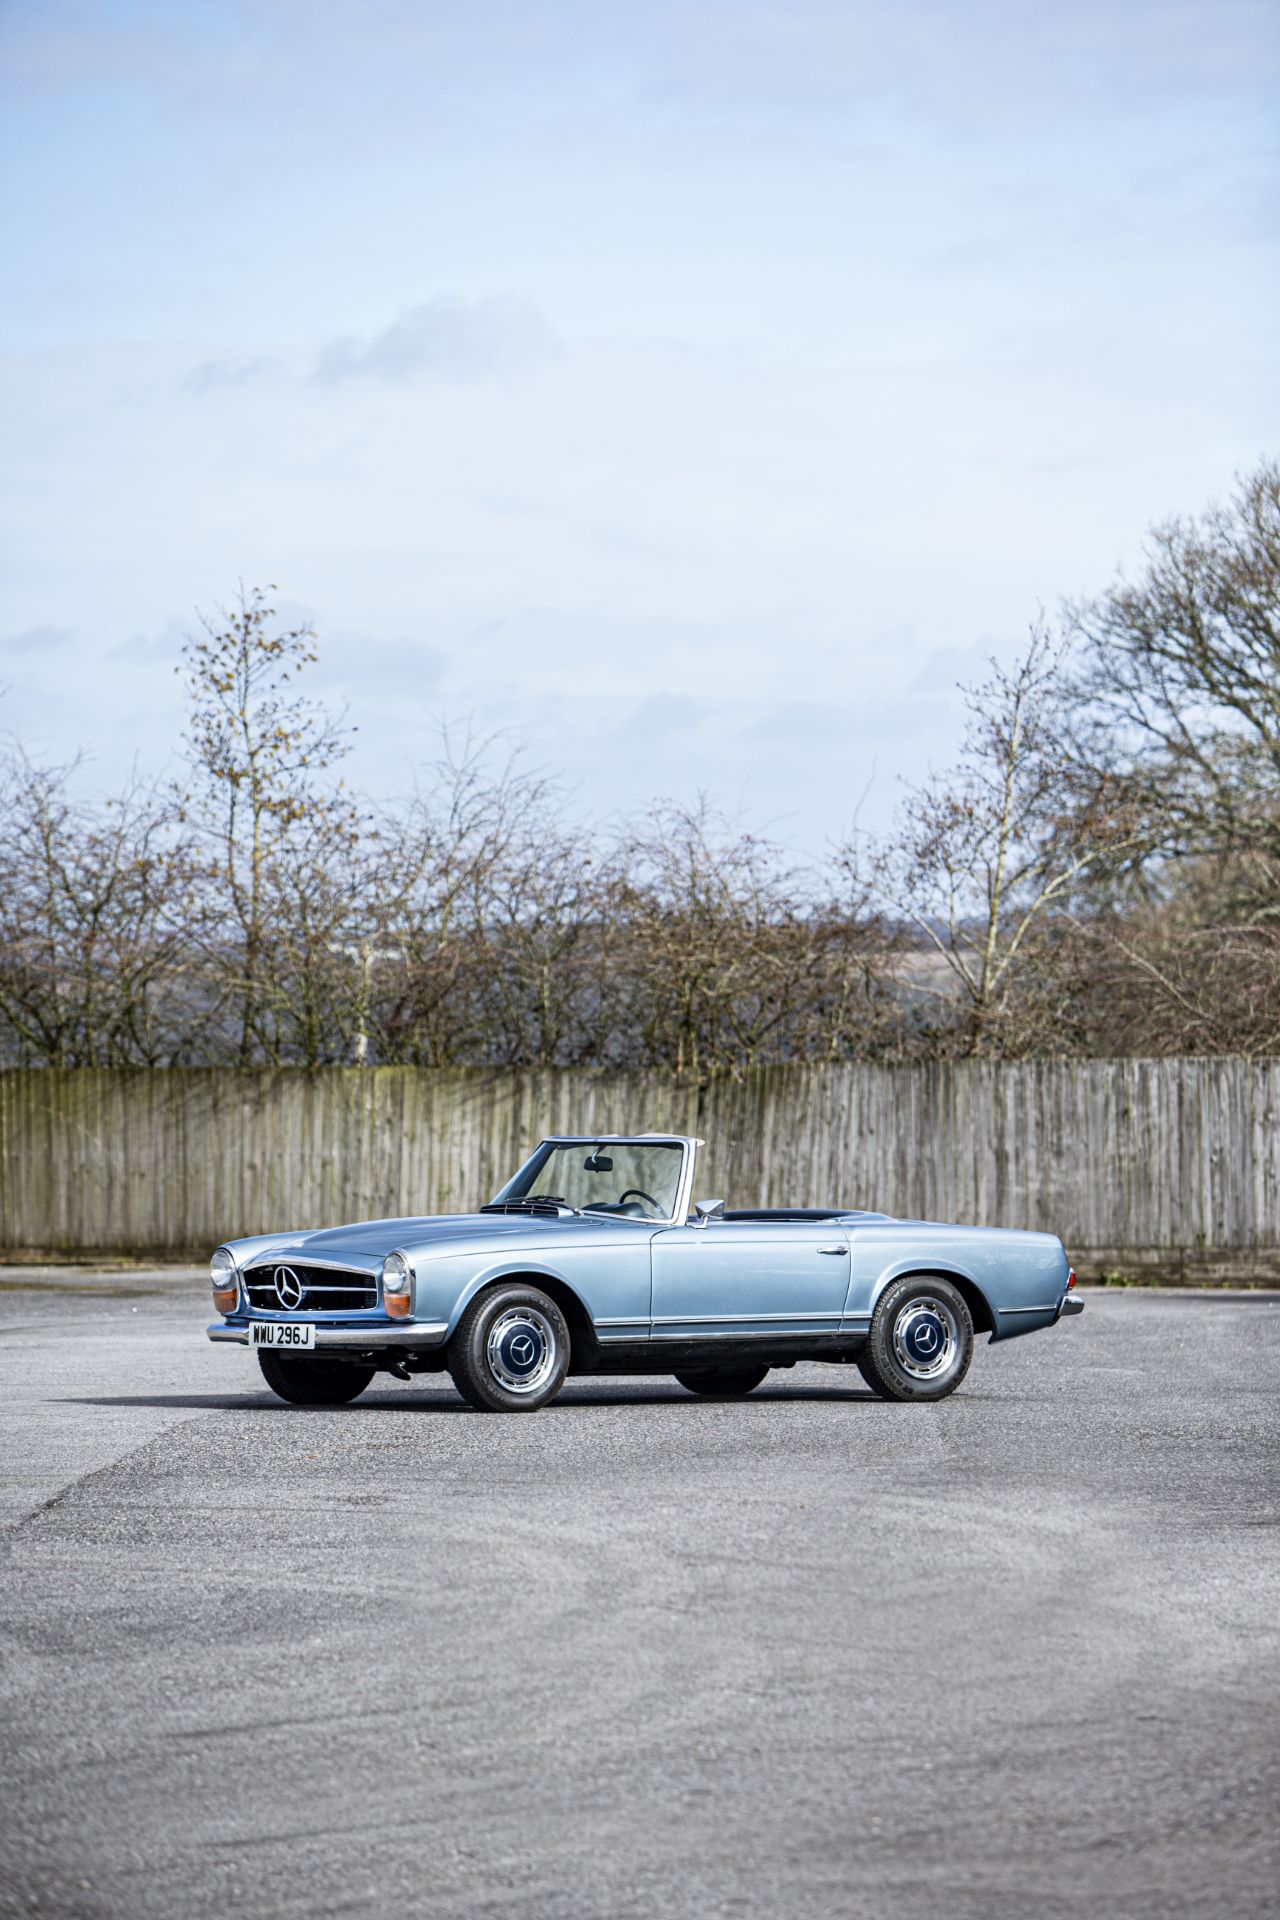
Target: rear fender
[(983, 1315)]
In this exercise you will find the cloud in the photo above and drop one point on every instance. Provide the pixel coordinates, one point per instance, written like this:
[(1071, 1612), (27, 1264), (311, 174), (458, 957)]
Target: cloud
[(147, 648), (444, 339), (398, 671), (37, 640), (249, 370)]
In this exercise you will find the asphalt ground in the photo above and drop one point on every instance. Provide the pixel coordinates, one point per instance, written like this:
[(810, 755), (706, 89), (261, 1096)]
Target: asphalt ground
[(639, 1655)]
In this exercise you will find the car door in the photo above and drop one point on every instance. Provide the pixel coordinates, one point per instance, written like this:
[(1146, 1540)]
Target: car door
[(749, 1277)]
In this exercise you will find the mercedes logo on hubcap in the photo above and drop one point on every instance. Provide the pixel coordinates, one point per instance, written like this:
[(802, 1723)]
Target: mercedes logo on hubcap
[(925, 1337), (289, 1289), (522, 1350)]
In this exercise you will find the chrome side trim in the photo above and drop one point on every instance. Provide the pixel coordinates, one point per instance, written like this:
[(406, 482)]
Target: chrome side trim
[(764, 1333), (729, 1319), (1050, 1307), (736, 1319), (426, 1333)]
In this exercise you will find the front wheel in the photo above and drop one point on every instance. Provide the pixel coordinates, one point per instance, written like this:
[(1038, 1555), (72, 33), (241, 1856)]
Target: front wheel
[(722, 1383), (921, 1340), (510, 1353), (313, 1383)]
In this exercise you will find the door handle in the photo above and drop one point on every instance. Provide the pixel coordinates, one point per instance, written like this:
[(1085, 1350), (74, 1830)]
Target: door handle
[(833, 1249)]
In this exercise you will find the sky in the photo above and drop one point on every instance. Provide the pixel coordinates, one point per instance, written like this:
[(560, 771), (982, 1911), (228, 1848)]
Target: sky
[(693, 391)]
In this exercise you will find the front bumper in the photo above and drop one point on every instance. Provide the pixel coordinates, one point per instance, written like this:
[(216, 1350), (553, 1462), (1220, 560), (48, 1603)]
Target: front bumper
[(401, 1338)]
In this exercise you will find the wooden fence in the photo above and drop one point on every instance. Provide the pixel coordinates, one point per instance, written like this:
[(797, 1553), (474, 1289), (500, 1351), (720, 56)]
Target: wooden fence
[(1163, 1167)]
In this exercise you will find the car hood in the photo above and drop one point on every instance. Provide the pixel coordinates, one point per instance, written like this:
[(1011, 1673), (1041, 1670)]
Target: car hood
[(366, 1243)]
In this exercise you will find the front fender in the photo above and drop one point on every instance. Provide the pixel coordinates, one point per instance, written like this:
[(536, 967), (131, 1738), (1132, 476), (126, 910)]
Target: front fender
[(604, 1277), (500, 1270), (445, 1287)]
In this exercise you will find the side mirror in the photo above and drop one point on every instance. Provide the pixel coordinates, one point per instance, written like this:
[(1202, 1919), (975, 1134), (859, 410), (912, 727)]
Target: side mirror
[(708, 1210)]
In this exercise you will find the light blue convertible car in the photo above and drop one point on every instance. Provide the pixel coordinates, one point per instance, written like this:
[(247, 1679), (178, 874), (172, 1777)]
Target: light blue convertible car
[(592, 1260)]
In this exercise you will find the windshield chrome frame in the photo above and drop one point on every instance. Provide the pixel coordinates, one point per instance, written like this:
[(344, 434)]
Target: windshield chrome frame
[(688, 1144)]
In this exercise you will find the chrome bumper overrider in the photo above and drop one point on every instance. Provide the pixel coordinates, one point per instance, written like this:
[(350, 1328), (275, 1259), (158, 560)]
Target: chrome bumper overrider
[(419, 1333)]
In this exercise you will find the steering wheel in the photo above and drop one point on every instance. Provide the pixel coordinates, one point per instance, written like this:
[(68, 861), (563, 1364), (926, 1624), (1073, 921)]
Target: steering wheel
[(640, 1194)]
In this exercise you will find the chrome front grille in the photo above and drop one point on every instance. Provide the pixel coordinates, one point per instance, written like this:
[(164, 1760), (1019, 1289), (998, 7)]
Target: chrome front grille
[(290, 1286)]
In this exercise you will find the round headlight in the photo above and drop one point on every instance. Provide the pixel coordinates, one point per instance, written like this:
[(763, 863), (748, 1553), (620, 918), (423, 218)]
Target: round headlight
[(396, 1274), (397, 1286)]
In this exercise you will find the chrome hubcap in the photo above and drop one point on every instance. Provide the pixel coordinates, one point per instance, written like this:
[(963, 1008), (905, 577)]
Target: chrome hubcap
[(926, 1338), (521, 1350)]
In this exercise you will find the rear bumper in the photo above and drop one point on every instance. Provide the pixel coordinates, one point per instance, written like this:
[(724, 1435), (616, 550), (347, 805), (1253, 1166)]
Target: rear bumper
[(373, 1339), (1072, 1304)]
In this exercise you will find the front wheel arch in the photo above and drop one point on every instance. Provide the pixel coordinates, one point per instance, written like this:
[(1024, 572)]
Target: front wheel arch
[(584, 1342)]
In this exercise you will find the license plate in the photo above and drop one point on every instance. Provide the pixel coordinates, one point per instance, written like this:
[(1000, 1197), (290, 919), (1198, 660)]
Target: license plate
[(281, 1333)]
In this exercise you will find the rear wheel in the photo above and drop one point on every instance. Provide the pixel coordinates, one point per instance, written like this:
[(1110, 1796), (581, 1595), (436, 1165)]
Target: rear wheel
[(722, 1383), (510, 1353), (921, 1340), (313, 1383)]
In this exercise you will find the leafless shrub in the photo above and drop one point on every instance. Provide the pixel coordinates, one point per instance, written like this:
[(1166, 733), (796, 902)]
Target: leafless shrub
[(95, 904), (728, 954)]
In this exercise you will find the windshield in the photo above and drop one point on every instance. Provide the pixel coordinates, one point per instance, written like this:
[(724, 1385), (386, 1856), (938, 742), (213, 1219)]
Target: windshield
[(638, 1178)]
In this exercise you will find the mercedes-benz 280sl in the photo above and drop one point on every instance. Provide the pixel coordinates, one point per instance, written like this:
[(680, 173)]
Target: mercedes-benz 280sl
[(593, 1260)]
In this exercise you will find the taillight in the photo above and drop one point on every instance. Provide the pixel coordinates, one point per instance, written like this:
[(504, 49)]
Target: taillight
[(1071, 1278)]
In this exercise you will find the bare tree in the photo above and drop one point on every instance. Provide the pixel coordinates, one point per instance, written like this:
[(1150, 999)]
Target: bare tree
[(432, 903), (851, 1005), (990, 849), (320, 881), (1178, 698), (1180, 687), (256, 746), (543, 927)]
